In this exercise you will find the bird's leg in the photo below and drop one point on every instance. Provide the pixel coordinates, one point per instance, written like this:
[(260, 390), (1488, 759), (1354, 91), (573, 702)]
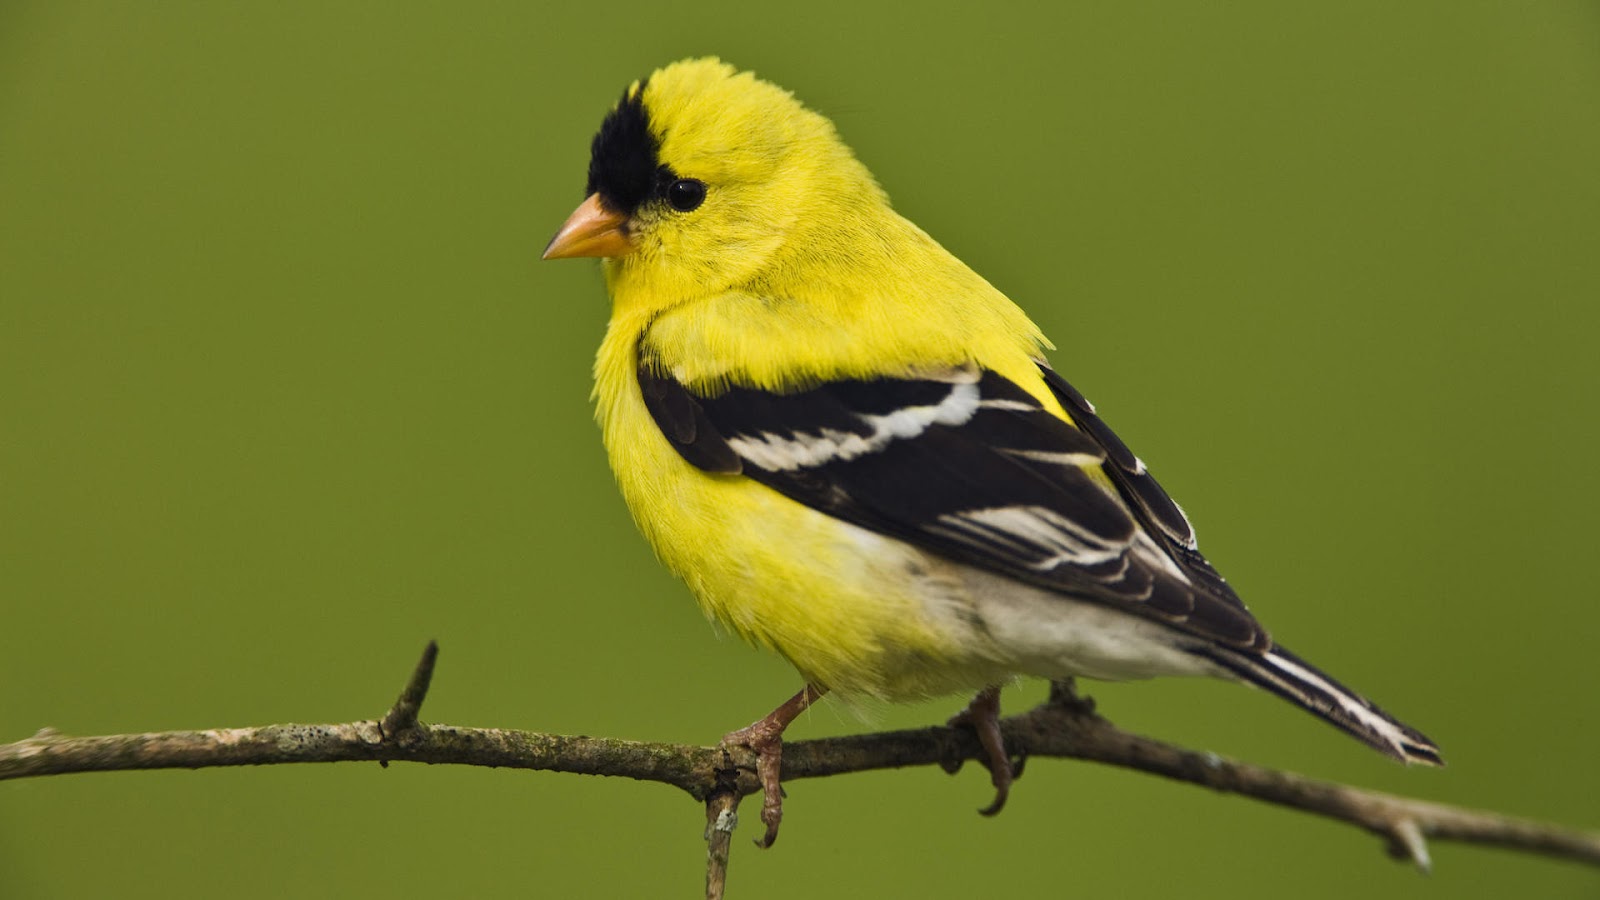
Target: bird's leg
[(766, 739), (983, 716)]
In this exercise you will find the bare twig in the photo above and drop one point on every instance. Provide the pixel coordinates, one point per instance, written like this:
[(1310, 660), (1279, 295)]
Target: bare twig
[(722, 816), (402, 716), (1065, 726)]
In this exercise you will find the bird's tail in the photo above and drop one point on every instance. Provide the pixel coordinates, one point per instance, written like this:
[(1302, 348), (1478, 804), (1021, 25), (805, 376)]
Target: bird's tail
[(1302, 684)]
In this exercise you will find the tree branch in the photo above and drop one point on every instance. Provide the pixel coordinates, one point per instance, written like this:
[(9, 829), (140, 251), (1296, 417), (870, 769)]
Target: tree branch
[(1065, 726)]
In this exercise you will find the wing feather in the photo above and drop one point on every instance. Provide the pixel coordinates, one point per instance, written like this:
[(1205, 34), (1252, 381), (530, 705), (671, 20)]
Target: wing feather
[(969, 466)]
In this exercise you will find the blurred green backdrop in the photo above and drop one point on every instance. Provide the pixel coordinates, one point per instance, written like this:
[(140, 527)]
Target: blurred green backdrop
[(284, 392)]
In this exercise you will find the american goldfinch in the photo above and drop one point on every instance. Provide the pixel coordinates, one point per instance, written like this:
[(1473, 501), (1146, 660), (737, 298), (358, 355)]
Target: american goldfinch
[(852, 449)]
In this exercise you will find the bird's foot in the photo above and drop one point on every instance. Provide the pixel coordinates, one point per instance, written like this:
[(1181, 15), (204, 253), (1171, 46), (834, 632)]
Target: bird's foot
[(982, 715), (765, 738), (767, 742)]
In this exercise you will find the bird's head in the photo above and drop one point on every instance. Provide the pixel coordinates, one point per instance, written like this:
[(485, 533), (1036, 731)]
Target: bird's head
[(703, 179)]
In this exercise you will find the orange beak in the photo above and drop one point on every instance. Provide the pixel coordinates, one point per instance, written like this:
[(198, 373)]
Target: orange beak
[(591, 230)]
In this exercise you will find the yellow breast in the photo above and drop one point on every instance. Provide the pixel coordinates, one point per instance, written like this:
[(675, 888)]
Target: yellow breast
[(852, 610)]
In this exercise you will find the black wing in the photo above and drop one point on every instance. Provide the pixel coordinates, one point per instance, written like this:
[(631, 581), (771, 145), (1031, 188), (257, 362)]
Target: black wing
[(973, 468)]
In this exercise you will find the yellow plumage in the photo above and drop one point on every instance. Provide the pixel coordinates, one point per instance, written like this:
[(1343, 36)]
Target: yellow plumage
[(796, 235), (849, 445), (802, 240)]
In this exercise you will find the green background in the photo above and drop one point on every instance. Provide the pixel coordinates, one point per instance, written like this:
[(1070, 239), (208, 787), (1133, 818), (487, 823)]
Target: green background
[(285, 392)]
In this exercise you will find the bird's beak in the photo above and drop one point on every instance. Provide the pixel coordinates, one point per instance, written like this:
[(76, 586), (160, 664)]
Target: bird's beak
[(591, 230)]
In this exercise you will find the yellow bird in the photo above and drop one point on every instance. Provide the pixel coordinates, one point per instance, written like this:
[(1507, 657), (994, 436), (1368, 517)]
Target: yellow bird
[(852, 449)]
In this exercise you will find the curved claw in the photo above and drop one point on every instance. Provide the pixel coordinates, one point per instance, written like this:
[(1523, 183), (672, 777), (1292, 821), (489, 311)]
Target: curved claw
[(765, 738), (768, 747), (1002, 790), (768, 765), (983, 716)]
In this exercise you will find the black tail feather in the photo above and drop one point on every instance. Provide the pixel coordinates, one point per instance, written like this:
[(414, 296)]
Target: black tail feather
[(1306, 686)]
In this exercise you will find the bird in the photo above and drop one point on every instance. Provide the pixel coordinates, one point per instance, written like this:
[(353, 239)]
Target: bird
[(853, 449)]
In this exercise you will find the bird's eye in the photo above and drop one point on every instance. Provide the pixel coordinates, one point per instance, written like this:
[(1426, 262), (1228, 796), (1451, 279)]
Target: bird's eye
[(686, 194)]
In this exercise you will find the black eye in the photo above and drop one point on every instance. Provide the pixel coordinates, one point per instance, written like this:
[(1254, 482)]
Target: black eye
[(686, 194)]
